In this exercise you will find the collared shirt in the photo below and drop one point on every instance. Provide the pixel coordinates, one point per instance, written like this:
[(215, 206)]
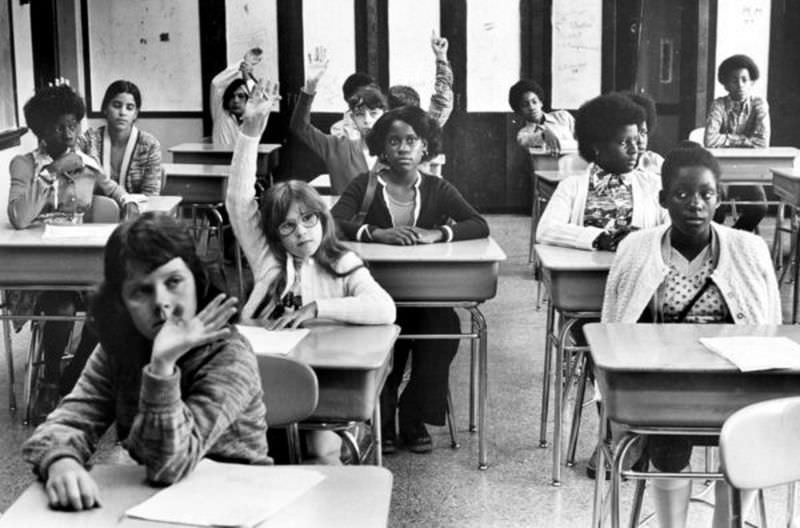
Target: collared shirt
[(609, 200), (738, 123), (560, 122)]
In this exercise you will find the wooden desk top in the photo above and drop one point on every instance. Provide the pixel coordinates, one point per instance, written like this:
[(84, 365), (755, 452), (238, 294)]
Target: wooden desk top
[(196, 169), (162, 203), (571, 259), (263, 148), (348, 497), (669, 347), (569, 149), (555, 176), (478, 250), (744, 153), (343, 347)]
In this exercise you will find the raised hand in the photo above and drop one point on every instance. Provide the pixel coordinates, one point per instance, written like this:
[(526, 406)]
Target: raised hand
[(398, 236), (177, 336), (317, 66), (67, 165), (70, 487), (294, 319), (262, 100), (439, 45)]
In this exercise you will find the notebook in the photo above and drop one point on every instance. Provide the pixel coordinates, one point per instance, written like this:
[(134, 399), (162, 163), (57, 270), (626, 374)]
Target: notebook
[(752, 353), (279, 342)]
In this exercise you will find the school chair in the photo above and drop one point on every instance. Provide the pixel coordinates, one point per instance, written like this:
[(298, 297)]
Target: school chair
[(104, 210), (698, 135), (759, 448), (290, 395)]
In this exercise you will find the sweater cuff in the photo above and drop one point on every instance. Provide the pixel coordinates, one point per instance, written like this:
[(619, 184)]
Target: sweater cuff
[(160, 391), (326, 308), (56, 454), (586, 238), (248, 140), (447, 231), (363, 234)]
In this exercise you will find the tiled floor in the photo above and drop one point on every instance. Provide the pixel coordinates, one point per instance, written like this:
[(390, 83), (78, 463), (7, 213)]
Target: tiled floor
[(445, 488)]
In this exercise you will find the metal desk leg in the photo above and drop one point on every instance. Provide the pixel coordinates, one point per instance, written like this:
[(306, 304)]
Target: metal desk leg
[(12, 396), (473, 374), (377, 438), (616, 476), (546, 375), (483, 379), (558, 396), (598, 513)]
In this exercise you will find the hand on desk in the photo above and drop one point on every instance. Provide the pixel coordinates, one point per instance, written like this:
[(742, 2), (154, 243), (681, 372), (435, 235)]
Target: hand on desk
[(294, 319), (606, 241), (70, 487)]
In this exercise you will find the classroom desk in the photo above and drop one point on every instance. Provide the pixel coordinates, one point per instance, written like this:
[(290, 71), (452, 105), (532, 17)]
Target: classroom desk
[(351, 363), (659, 379), (575, 280), (218, 154), (197, 182), (422, 276), (348, 497), (786, 183), (752, 165)]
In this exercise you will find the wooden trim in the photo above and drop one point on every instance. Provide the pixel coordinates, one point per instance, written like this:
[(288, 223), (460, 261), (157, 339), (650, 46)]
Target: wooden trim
[(536, 43), (213, 57), (378, 40), (12, 52), (44, 42), (363, 51), (609, 47), (11, 138), (711, 78), (291, 66), (453, 17)]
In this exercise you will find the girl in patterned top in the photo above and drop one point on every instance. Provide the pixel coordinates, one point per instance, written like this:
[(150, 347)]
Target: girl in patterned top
[(693, 271)]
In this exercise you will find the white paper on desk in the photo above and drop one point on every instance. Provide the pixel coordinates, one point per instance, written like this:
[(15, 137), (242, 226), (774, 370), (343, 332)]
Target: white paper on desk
[(87, 231), (265, 341), (216, 494), (751, 353)]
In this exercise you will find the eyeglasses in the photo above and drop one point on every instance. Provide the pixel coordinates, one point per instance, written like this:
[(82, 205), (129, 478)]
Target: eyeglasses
[(410, 141), (307, 220)]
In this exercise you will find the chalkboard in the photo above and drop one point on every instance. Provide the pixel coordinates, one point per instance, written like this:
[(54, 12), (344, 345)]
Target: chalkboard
[(153, 43), (577, 51), (8, 91)]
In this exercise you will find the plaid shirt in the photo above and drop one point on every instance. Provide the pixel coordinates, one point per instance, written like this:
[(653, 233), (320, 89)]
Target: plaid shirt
[(609, 201), (738, 123)]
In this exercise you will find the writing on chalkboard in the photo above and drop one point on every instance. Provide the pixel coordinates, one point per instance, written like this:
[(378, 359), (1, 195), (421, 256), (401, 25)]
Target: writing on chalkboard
[(577, 43)]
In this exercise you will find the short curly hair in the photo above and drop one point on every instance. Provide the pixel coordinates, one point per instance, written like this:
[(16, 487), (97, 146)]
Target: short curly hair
[(736, 62), (688, 154), (367, 96), (119, 87), (649, 107), (402, 95), (355, 81), (48, 104), (599, 119), (424, 125), (519, 88)]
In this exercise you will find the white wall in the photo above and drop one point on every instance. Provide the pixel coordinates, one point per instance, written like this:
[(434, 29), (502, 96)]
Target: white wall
[(743, 27), (23, 58)]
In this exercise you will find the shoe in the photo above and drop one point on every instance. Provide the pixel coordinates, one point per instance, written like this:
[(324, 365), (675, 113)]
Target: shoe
[(634, 459), (388, 439), (417, 439)]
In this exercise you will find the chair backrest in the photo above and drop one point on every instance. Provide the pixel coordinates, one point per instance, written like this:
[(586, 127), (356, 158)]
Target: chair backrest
[(104, 210), (698, 135), (290, 389), (760, 444), (571, 163)]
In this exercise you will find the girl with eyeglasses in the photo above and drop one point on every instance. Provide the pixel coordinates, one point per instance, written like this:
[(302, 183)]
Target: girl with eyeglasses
[(300, 269), (406, 207), (693, 271), (597, 209)]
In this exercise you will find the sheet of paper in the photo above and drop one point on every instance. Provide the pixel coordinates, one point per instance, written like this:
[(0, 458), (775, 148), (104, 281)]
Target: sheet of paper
[(266, 341), (216, 494), (751, 353), (88, 232)]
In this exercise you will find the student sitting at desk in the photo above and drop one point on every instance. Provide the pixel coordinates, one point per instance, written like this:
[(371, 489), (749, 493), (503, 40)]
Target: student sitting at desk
[(301, 271), (598, 209), (400, 205), (55, 183), (740, 119), (648, 160), (344, 157), (178, 383), (694, 271), (131, 157), (230, 89), (547, 131)]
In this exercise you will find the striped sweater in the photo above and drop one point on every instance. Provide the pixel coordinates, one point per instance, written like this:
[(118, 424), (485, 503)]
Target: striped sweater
[(211, 406)]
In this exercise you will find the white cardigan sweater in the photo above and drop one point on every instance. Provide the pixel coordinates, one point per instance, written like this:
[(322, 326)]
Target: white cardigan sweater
[(743, 274), (355, 298), (561, 223)]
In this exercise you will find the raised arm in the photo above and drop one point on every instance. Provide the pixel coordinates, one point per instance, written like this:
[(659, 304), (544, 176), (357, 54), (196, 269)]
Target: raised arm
[(240, 199), (442, 99), (31, 188), (218, 85)]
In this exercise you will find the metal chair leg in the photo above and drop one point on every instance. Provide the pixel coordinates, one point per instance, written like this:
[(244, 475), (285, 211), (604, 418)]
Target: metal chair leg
[(451, 425), (578, 410), (33, 361), (12, 395), (547, 373), (352, 445), (636, 506), (293, 440)]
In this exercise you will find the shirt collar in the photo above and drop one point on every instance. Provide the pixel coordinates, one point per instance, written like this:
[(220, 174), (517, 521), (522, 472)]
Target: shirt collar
[(600, 176)]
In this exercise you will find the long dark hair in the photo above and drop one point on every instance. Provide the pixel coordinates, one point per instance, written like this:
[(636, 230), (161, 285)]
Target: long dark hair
[(275, 205), (145, 244), (119, 87)]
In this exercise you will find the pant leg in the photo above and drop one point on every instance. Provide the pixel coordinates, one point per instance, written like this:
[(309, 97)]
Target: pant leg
[(751, 215), (55, 334), (73, 371), (425, 397), (402, 349)]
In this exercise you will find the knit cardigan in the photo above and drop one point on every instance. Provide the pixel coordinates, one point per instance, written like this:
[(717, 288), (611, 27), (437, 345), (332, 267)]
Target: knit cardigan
[(440, 205), (355, 298), (141, 167), (743, 274), (561, 223)]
